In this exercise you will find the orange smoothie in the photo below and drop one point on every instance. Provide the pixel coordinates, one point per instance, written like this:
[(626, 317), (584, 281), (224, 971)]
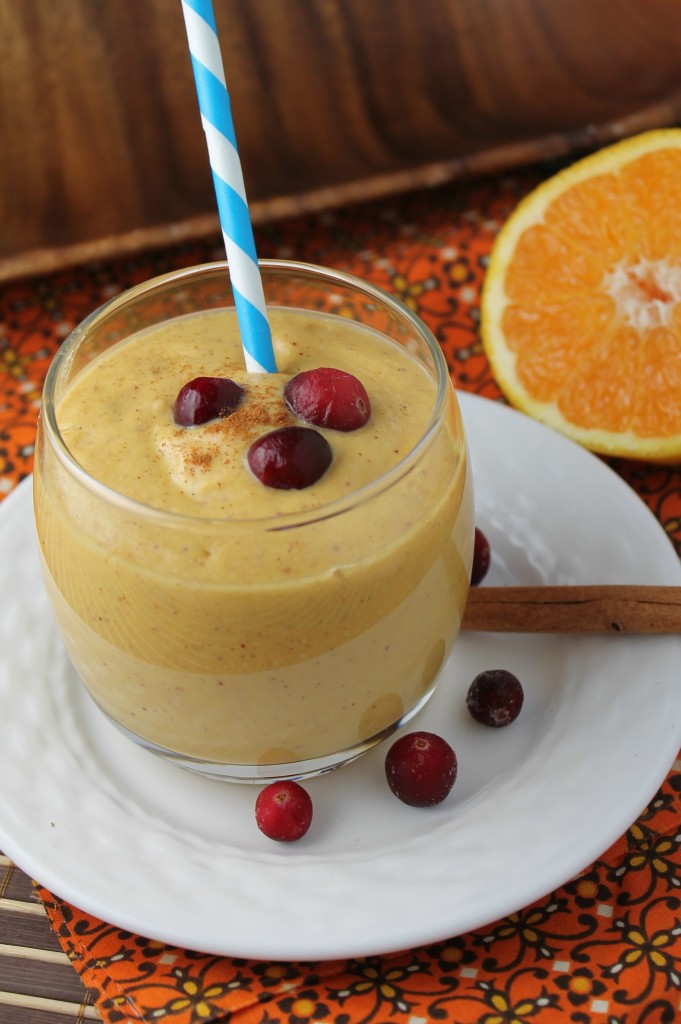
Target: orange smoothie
[(217, 620)]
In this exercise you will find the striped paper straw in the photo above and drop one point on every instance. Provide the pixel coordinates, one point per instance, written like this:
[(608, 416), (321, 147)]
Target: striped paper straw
[(237, 230)]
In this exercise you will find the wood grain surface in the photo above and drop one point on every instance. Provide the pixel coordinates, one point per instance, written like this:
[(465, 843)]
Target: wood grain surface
[(334, 101)]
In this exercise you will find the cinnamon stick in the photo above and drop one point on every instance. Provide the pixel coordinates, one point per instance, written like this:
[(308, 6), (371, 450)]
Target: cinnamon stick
[(588, 609)]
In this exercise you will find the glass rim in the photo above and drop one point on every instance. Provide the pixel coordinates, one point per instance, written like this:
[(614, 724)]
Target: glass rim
[(276, 522)]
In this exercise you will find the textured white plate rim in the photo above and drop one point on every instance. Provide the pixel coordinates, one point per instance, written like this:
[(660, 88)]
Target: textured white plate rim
[(119, 833)]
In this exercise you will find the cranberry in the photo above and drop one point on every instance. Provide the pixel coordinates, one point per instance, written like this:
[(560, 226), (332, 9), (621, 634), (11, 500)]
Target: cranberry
[(421, 769), (283, 811), (495, 698), (328, 398), (206, 398), (481, 558), (290, 458)]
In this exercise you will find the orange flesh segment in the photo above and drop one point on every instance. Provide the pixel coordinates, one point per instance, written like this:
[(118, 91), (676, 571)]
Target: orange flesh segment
[(574, 346), (601, 393), (549, 341), (651, 186), (658, 410)]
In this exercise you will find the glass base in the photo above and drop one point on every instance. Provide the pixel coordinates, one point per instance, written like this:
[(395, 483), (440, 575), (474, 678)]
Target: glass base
[(264, 773)]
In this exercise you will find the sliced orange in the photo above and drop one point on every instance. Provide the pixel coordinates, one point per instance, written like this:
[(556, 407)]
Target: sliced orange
[(581, 305)]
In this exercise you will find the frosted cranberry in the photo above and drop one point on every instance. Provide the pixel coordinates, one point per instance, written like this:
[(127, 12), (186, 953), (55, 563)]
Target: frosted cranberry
[(495, 698), (481, 557), (206, 398), (283, 811), (328, 398), (290, 458), (421, 769)]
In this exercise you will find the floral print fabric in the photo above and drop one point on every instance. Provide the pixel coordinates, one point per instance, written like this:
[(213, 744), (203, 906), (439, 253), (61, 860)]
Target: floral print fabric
[(606, 947)]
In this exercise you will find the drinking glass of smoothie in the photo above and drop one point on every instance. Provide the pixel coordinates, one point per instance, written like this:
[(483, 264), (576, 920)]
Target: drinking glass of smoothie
[(254, 609)]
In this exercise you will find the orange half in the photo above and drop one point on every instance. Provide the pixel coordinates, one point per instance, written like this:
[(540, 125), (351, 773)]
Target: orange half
[(581, 305)]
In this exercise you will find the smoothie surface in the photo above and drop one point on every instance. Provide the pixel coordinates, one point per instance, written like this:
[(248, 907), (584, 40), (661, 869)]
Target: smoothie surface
[(117, 416)]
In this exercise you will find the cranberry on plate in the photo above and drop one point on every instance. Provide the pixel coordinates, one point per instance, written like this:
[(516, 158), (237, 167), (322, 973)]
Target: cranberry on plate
[(421, 769), (283, 811), (495, 698)]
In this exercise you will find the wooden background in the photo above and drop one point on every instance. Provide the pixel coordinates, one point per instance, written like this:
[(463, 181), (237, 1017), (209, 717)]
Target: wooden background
[(101, 149)]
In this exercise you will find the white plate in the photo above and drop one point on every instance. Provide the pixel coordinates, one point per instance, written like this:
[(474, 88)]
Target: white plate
[(178, 858)]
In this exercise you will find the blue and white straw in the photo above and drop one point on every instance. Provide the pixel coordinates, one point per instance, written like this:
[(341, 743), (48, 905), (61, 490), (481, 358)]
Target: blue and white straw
[(237, 230)]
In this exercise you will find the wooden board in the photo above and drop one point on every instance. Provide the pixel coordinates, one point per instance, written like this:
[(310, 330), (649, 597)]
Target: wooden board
[(101, 149)]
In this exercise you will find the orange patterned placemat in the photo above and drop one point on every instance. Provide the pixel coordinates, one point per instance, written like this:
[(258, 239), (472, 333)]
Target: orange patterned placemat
[(606, 947)]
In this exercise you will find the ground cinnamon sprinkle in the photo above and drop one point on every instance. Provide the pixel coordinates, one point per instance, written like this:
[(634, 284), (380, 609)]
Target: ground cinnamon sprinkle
[(256, 415), (253, 416), (199, 459)]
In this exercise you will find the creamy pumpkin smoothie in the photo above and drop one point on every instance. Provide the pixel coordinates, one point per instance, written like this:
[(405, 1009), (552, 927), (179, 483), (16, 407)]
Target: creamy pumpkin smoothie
[(243, 629)]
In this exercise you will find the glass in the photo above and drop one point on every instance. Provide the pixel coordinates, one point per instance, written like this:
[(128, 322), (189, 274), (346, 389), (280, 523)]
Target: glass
[(252, 647)]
